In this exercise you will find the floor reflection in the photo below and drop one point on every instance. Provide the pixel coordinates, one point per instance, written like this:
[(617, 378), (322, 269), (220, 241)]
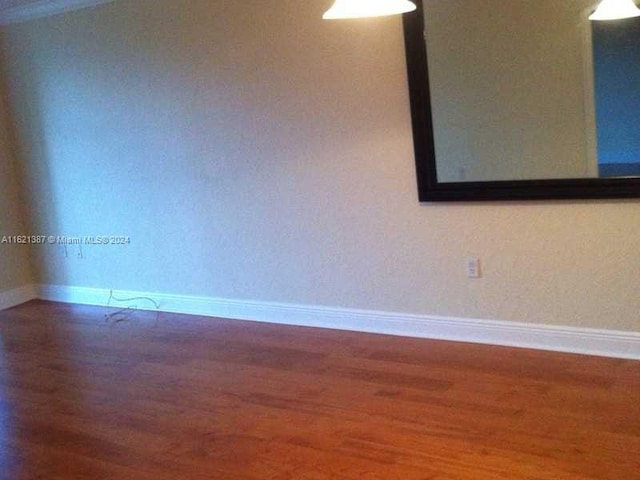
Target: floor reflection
[(8, 455), (41, 386)]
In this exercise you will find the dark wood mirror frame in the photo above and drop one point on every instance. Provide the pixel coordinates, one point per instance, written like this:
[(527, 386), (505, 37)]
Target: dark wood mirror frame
[(430, 190)]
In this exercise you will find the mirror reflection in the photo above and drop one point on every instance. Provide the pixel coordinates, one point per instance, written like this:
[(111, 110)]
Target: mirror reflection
[(616, 58), (526, 90)]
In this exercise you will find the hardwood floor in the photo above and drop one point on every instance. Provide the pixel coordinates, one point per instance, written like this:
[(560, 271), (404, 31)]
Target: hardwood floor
[(178, 397)]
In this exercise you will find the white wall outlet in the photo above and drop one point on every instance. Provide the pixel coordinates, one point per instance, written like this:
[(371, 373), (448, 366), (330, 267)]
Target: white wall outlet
[(473, 268)]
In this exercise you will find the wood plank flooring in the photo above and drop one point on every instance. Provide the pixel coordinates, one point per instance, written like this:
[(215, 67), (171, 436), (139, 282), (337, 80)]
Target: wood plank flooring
[(158, 397)]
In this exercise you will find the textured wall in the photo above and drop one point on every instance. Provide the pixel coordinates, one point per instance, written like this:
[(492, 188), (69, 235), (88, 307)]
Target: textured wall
[(252, 151), (15, 270)]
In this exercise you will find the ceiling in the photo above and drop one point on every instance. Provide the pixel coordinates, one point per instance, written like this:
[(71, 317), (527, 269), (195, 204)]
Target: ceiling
[(13, 11)]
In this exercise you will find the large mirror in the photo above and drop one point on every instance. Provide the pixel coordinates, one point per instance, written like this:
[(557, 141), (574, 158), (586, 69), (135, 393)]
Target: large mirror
[(513, 99)]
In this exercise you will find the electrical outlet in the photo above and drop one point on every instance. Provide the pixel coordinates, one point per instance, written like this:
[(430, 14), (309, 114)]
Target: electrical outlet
[(473, 268)]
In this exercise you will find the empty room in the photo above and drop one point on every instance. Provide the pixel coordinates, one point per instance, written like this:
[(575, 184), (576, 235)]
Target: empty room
[(318, 240)]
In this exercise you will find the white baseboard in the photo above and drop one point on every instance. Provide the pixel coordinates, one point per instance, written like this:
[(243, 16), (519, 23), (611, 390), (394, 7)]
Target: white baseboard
[(608, 343), (19, 295)]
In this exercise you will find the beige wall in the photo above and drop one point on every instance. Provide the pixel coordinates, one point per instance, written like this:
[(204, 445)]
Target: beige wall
[(15, 269), (252, 151)]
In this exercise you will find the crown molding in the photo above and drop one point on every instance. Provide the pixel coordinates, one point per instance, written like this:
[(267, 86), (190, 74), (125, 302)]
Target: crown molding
[(44, 8)]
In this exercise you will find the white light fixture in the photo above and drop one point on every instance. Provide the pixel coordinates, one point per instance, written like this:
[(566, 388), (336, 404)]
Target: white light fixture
[(615, 10), (367, 8)]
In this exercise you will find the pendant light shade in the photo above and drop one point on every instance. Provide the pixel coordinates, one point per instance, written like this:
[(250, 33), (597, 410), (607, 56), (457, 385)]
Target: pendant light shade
[(615, 10), (367, 8)]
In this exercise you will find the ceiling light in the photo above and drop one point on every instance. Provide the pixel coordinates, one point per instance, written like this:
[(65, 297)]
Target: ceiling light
[(615, 10), (367, 8)]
